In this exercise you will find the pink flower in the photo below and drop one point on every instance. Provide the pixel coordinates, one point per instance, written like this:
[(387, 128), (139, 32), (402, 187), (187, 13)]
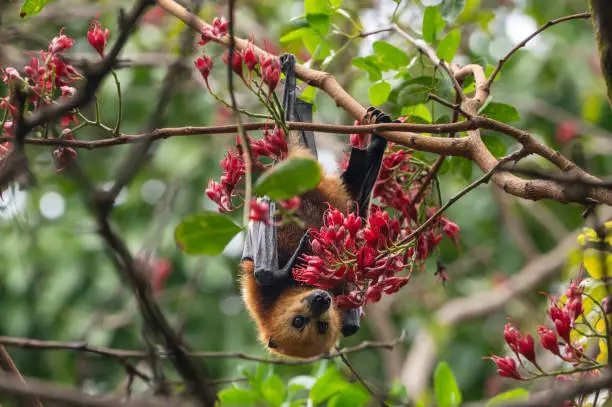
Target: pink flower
[(61, 43), (220, 25), (97, 36)]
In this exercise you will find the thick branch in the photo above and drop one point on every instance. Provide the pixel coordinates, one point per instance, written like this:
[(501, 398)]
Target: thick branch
[(327, 83)]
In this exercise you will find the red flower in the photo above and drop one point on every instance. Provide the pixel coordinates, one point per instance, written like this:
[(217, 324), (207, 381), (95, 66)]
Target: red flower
[(97, 36), (61, 43), (451, 230), (259, 211), (236, 61), (204, 65), (249, 58), (548, 339), (561, 320), (511, 335), (291, 204), (506, 367), (63, 156), (526, 348), (220, 25), (270, 71), (374, 293)]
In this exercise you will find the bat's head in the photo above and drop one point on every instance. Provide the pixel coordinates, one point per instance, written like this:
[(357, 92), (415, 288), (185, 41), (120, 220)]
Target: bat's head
[(303, 323)]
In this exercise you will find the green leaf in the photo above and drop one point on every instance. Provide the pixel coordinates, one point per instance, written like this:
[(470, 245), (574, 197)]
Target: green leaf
[(495, 145), (317, 7), (295, 34), (379, 93), (274, 390), (335, 3), (32, 7), (364, 64), (511, 395), (291, 177), (317, 48), (500, 111), (449, 45), (391, 54), (319, 22), (452, 8), (330, 383), (445, 387), (421, 111), (413, 95), (205, 233), (466, 168), (433, 24), (236, 396), (308, 95), (353, 396)]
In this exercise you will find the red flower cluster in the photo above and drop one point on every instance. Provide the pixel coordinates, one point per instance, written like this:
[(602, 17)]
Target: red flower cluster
[(557, 341), (364, 253), (233, 170), (272, 146), (216, 31), (270, 68)]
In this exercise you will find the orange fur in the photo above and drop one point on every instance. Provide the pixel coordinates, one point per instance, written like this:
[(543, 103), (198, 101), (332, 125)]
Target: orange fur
[(274, 318), (274, 312)]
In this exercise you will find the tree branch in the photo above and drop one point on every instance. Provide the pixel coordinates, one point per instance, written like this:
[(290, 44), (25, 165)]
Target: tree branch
[(122, 354)]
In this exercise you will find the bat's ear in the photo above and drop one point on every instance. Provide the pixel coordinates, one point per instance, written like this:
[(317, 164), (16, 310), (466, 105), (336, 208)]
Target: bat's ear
[(272, 344)]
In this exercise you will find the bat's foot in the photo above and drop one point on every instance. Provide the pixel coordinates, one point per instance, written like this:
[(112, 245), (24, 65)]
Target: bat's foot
[(376, 116)]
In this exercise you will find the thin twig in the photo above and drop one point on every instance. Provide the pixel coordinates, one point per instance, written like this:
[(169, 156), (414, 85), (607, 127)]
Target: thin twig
[(244, 140), (27, 343), (433, 171), (66, 396), (348, 364), (521, 44), (8, 365), (482, 180)]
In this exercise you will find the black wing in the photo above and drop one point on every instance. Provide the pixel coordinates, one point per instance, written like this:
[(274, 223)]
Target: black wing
[(359, 179), (364, 165)]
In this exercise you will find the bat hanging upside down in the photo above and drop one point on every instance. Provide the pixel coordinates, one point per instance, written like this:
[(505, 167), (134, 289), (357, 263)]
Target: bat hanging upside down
[(294, 319)]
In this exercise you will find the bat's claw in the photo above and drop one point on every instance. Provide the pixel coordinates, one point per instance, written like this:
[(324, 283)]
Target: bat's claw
[(376, 116)]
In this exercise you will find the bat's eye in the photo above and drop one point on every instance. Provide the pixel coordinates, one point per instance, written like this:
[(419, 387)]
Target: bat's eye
[(323, 327), (298, 322)]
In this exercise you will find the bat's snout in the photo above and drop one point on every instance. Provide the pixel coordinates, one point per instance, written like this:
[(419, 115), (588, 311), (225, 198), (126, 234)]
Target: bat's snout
[(319, 302)]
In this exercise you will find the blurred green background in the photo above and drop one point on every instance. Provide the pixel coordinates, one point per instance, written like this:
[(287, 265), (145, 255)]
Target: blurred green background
[(58, 283)]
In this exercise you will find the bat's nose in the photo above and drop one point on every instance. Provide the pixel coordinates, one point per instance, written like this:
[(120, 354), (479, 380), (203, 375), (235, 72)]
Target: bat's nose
[(319, 302)]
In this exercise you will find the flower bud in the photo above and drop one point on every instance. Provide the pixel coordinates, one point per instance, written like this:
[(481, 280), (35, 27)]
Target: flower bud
[(204, 65), (548, 340), (506, 367), (97, 36)]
